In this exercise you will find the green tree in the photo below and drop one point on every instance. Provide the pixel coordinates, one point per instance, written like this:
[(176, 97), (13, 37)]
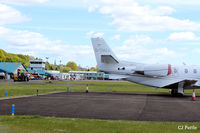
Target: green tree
[(51, 67), (93, 69), (47, 66), (2, 55), (72, 65), (27, 64), (65, 69)]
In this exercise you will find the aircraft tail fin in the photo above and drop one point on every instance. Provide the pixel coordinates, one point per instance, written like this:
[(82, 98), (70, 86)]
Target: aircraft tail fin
[(103, 53)]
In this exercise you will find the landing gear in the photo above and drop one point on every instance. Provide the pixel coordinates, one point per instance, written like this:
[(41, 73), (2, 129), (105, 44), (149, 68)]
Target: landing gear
[(175, 92), (179, 91)]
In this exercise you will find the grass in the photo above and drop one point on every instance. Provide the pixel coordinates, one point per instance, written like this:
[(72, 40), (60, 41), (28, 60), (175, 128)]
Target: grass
[(37, 124), (23, 89)]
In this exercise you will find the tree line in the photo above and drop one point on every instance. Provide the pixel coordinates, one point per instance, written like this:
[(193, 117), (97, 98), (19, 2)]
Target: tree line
[(9, 57), (70, 66)]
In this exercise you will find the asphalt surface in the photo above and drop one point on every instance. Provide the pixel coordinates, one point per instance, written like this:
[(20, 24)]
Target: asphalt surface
[(108, 106)]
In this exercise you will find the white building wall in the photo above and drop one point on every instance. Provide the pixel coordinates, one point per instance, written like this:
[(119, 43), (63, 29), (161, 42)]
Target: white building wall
[(37, 64), (21, 68)]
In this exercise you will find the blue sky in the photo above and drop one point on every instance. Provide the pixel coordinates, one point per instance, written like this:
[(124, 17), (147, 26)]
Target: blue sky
[(145, 31)]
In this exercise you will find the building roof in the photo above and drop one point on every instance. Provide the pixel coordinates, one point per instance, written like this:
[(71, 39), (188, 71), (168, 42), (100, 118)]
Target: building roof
[(2, 70), (53, 71), (40, 72), (10, 67)]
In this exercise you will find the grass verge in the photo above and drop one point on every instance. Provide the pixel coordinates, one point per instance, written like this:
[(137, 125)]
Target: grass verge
[(37, 124)]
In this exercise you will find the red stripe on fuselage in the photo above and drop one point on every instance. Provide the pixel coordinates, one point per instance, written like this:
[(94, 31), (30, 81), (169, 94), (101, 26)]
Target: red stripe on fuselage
[(169, 69)]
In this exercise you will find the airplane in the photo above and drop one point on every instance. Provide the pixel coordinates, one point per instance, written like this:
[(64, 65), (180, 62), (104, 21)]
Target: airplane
[(176, 78)]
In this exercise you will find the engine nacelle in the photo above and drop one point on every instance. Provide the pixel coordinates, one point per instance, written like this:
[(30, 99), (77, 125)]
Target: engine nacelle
[(157, 70)]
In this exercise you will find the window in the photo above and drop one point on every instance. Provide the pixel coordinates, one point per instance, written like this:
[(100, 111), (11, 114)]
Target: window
[(186, 70), (121, 68), (195, 71), (175, 70)]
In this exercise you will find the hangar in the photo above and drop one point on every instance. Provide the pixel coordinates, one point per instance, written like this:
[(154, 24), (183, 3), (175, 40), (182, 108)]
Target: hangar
[(10, 68)]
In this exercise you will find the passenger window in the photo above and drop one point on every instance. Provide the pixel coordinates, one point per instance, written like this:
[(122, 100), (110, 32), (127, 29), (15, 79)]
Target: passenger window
[(186, 70), (195, 71), (175, 70)]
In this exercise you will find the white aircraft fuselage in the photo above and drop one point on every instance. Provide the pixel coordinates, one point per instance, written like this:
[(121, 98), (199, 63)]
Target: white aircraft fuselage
[(167, 76)]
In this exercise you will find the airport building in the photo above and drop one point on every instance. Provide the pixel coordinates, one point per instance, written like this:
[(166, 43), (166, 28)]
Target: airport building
[(38, 67), (86, 75), (8, 69), (38, 64), (58, 75)]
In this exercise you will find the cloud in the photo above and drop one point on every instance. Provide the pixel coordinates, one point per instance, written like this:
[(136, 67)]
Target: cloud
[(92, 8), (23, 2), (37, 45), (33, 43), (128, 15), (142, 49), (116, 37), (99, 34), (183, 36), (9, 15), (196, 51), (173, 2), (94, 34), (90, 34)]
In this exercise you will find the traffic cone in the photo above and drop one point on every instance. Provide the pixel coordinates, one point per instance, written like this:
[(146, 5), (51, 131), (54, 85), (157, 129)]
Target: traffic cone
[(86, 88), (193, 95)]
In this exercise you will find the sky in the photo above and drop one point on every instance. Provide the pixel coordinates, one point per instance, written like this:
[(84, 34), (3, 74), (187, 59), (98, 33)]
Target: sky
[(147, 31)]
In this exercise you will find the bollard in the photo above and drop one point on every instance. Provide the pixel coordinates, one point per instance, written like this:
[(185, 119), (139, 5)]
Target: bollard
[(170, 91), (86, 88), (110, 89), (13, 110), (6, 94), (54, 89), (37, 92), (67, 90)]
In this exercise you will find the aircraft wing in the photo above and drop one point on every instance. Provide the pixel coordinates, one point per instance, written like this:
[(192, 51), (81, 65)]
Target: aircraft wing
[(161, 82), (117, 76)]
